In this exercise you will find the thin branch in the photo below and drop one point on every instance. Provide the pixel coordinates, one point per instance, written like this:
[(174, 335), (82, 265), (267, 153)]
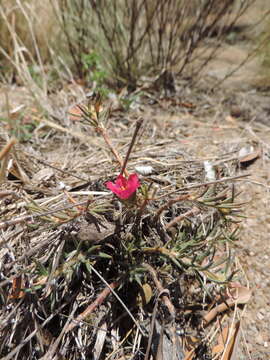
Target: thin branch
[(22, 219), (193, 211), (164, 294), (101, 130), (99, 300), (138, 125), (223, 180), (170, 203)]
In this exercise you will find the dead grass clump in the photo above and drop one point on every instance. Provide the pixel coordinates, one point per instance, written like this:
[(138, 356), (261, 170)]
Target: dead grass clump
[(116, 41), (84, 273), (22, 19), (262, 82), (131, 39)]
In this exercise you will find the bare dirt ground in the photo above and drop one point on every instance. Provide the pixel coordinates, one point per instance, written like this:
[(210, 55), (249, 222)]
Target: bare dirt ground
[(247, 87), (223, 134), (251, 127), (232, 118)]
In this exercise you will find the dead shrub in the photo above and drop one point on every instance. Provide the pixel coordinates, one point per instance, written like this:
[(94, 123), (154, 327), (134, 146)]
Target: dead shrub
[(136, 38), (116, 39)]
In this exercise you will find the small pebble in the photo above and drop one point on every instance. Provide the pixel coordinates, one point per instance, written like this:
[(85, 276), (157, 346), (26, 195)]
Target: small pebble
[(144, 170)]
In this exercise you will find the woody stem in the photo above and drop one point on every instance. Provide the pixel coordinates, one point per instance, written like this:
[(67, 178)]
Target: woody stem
[(103, 132), (138, 125)]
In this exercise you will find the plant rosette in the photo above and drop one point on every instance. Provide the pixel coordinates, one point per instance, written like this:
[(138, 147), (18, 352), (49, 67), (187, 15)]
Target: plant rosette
[(125, 188)]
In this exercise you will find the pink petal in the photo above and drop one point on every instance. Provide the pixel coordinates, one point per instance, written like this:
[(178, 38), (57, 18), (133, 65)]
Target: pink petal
[(133, 182), (111, 186), (115, 188), (121, 181), (123, 187)]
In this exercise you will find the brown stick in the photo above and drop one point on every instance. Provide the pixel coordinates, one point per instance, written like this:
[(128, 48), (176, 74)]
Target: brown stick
[(169, 203), (99, 300), (21, 219), (7, 148), (138, 125), (193, 211), (226, 179), (164, 294), (4, 156), (103, 132)]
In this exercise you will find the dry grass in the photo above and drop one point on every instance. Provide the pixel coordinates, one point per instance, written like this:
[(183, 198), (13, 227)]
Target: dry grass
[(22, 17), (78, 56), (83, 273), (77, 264), (123, 43)]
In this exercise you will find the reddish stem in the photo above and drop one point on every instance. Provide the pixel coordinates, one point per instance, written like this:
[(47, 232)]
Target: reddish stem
[(138, 125), (107, 140), (99, 300)]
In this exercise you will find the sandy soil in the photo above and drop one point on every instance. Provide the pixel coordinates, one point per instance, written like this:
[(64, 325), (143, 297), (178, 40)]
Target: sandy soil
[(254, 250)]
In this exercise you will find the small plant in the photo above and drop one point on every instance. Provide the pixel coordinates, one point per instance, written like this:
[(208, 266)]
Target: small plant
[(21, 127), (114, 257), (94, 71)]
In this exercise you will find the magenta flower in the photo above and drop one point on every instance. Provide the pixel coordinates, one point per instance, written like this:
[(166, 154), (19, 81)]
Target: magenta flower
[(123, 187)]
